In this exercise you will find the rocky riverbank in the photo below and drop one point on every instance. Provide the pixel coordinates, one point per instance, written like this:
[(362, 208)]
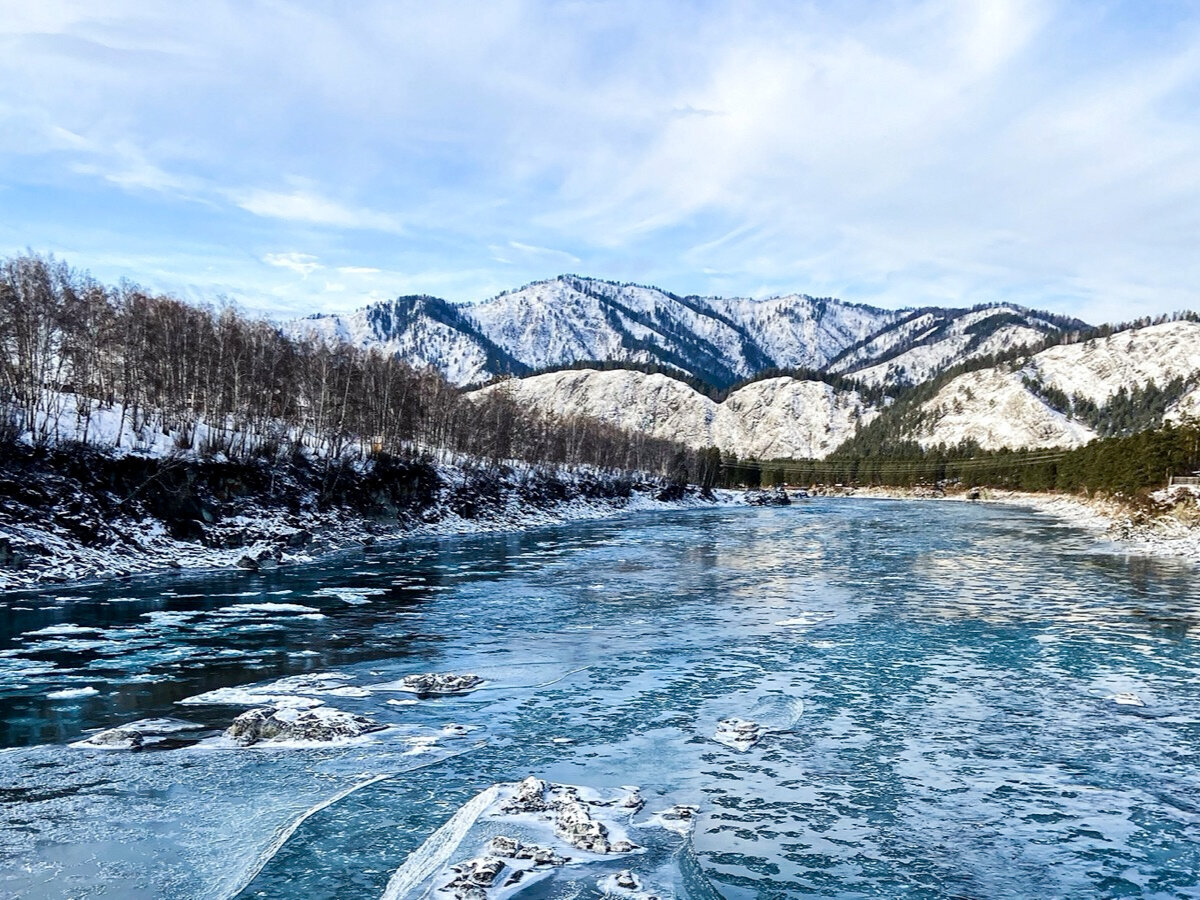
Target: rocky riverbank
[(76, 513)]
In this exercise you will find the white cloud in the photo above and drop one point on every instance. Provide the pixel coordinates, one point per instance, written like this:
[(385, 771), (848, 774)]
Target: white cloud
[(300, 263), (308, 207), (923, 151)]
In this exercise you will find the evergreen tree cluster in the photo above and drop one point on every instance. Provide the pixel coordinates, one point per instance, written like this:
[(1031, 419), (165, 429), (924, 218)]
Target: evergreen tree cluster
[(1127, 465)]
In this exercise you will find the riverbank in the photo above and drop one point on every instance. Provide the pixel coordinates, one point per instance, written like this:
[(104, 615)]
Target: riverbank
[(74, 515), (1166, 524)]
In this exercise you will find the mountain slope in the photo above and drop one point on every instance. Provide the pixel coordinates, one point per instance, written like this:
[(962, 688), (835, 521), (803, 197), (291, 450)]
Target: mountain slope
[(1097, 369), (932, 340), (424, 331), (1065, 395), (994, 409), (570, 320), (773, 418)]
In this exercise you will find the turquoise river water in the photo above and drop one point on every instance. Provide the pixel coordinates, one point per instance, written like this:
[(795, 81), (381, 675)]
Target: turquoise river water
[(936, 681)]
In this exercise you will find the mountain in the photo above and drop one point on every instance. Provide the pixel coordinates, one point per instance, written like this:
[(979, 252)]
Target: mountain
[(929, 341), (425, 331), (1068, 394), (772, 418), (721, 341)]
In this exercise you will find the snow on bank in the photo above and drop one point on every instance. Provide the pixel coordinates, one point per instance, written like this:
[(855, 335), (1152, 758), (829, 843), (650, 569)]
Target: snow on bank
[(513, 499)]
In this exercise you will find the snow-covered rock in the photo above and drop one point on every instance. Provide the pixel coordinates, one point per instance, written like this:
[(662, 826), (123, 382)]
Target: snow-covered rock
[(430, 684), (738, 734), (774, 418), (138, 735), (317, 725)]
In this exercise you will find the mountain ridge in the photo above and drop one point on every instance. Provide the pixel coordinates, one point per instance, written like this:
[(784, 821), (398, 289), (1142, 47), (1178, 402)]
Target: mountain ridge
[(570, 319)]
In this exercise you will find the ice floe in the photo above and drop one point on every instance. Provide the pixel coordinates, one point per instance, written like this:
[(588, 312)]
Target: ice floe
[(293, 691), (1127, 698), (353, 596), (72, 693)]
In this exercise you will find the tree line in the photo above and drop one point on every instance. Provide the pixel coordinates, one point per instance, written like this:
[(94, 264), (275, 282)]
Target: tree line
[(1129, 464), (76, 354)]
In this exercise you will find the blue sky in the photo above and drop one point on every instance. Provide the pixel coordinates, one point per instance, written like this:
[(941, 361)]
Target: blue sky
[(298, 157)]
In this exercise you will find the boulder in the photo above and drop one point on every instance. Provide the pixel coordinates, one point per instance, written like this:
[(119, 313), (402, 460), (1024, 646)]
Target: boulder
[(317, 725), (773, 497), (739, 734), (431, 684), (530, 796), (143, 734)]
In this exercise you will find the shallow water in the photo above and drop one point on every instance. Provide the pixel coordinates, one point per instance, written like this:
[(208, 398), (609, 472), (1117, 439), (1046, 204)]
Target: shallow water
[(937, 678)]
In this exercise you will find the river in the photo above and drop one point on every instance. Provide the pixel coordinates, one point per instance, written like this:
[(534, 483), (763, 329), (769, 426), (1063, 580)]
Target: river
[(936, 681)]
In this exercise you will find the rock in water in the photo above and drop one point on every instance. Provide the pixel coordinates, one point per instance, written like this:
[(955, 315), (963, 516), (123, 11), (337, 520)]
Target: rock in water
[(774, 497), (318, 725), (143, 734), (739, 734), (433, 683)]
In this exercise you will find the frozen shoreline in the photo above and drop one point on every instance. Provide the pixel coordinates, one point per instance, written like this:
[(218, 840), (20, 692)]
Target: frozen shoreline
[(157, 553), (1171, 530)]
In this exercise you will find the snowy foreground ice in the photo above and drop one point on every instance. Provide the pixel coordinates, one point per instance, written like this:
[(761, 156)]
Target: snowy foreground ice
[(814, 700)]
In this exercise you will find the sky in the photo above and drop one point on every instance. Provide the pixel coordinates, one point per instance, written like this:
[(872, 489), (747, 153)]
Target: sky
[(296, 157)]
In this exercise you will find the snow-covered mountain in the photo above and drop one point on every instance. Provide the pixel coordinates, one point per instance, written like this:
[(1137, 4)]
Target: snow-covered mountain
[(774, 418), (930, 341), (1097, 369), (425, 331), (1059, 397), (994, 408), (569, 320)]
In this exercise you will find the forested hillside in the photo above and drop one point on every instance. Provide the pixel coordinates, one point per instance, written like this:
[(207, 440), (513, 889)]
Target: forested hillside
[(120, 367)]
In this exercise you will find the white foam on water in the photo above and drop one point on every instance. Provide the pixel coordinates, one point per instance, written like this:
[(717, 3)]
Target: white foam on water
[(72, 693), (64, 630)]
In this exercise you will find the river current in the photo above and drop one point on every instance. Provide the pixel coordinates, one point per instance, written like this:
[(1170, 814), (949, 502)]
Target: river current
[(960, 701)]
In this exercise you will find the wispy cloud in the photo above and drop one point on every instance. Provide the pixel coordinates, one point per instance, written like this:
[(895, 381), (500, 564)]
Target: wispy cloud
[(300, 263), (951, 151), (311, 208)]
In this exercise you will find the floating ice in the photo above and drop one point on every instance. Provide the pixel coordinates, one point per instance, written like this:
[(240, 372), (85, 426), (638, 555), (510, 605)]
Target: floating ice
[(353, 596), (1127, 698), (256, 609), (805, 619), (72, 693), (61, 630)]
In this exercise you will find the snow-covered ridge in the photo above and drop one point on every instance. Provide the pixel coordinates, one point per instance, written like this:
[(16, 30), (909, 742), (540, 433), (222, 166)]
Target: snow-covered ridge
[(917, 349), (998, 408), (720, 340), (1099, 368), (774, 418)]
